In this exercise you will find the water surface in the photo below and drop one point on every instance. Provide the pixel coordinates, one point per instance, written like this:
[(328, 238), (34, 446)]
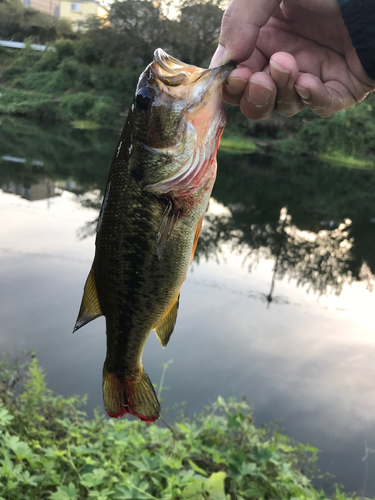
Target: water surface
[(277, 307)]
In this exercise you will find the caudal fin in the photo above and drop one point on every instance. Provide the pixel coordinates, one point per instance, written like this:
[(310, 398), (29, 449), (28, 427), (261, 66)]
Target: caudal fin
[(132, 394)]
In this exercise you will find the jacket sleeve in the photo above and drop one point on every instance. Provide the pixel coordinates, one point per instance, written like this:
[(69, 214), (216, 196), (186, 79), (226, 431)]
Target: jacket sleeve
[(359, 17)]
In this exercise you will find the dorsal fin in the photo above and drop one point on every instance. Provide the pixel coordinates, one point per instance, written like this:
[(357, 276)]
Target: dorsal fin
[(90, 307), (165, 327)]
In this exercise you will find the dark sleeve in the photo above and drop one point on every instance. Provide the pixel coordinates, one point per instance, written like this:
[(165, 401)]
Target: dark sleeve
[(359, 17)]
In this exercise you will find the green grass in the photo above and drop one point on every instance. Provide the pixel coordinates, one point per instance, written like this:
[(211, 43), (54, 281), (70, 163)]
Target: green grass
[(50, 449), (235, 144), (340, 159), (85, 125)]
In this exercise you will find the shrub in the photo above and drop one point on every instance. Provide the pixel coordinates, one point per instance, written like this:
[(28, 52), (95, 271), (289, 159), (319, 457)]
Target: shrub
[(49, 449), (16, 102), (70, 75), (77, 106), (48, 61), (105, 111), (65, 48)]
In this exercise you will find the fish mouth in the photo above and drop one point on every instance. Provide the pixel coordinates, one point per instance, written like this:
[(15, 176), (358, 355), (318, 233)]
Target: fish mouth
[(173, 73)]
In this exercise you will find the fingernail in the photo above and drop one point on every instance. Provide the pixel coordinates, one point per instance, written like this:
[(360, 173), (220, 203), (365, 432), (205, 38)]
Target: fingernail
[(282, 75), (259, 94), (218, 57), (236, 86), (304, 94)]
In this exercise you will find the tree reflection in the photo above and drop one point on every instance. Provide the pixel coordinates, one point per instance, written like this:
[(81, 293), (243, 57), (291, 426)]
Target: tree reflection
[(328, 247)]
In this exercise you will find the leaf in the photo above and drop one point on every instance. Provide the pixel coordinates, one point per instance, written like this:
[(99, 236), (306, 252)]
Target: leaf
[(65, 493), (5, 417), (214, 486), (194, 491), (211, 488), (248, 468), (94, 478), (100, 495), (197, 469), (19, 448)]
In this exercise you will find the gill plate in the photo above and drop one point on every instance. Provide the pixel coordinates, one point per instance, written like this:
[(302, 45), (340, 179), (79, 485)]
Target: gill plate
[(188, 158)]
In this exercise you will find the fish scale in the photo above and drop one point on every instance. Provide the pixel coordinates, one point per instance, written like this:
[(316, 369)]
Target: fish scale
[(150, 221)]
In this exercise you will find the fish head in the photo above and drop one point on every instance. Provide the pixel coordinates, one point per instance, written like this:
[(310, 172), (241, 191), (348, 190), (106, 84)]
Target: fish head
[(178, 117)]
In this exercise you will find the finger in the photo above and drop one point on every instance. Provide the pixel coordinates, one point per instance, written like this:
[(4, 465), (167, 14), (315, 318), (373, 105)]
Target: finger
[(235, 85), (284, 72), (324, 99), (258, 101), (238, 79), (240, 29)]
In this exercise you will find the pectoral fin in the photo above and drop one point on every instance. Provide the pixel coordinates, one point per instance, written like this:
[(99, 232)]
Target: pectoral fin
[(165, 327), (196, 237), (90, 307), (166, 225)]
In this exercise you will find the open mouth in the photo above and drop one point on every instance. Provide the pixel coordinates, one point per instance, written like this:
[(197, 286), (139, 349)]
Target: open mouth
[(173, 72)]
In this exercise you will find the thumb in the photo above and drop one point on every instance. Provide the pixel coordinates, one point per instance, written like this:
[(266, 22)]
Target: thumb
[(240, 29)]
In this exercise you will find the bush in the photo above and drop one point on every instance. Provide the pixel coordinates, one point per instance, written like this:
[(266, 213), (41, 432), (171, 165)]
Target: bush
[(49, 449), (20, 64), (104, 112), (77, 106), (65, 48), (48, 61), (35, 81), (16, 102)]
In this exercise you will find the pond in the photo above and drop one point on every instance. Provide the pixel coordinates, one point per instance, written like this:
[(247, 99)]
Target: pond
[(278, 305)]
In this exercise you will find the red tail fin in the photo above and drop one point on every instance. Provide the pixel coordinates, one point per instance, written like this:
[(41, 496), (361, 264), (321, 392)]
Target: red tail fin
[(132, 394)]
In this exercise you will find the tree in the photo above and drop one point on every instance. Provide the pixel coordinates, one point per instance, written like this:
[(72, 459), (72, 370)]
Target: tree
[(11, 17), (196, 31)]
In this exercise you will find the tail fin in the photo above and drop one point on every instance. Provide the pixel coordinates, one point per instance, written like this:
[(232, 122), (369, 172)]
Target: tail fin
[(132, 394)]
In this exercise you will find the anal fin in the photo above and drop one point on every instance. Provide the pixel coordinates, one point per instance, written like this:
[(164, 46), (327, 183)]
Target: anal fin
[(165, 327), (90, 307)]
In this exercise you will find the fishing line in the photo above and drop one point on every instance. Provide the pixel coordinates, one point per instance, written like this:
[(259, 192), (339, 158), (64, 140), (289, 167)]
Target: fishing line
[(173, 434)]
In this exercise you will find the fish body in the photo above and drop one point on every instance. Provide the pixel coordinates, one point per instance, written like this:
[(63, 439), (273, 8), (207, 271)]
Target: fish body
[(157, 192)]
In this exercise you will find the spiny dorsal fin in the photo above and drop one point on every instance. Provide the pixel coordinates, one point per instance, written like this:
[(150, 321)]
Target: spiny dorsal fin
[(165, 327), (90, 307)]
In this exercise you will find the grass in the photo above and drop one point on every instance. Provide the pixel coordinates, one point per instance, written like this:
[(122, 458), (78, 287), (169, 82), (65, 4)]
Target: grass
[(239, 145), (340, 159), (85, 125)]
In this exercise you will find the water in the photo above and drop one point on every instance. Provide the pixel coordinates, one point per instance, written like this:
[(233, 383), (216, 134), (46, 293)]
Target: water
[(277, 307)]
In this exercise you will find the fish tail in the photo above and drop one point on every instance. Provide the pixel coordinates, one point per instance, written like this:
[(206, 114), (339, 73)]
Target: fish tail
[(132, 394)]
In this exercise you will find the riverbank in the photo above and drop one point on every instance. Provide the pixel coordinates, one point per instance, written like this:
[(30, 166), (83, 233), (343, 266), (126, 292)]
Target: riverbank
[(51, 449), (59, 85)]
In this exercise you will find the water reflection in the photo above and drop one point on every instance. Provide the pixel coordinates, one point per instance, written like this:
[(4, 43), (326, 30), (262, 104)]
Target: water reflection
[(323, 238), (307, 359), (315, 221)]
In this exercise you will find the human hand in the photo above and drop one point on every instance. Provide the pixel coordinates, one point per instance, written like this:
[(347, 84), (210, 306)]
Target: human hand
[(292, 54)]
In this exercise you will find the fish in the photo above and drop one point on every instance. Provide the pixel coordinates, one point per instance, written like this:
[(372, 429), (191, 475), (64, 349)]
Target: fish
[(157, 192)]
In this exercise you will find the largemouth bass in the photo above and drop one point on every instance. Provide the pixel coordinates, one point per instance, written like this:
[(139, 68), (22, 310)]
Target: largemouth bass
[(157, 192)]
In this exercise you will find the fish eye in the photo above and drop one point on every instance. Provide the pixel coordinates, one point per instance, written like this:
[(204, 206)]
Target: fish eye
[(144, 97)]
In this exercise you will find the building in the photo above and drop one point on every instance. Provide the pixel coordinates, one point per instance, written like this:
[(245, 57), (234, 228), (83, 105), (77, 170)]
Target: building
[(50, 7), (78, 11)]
